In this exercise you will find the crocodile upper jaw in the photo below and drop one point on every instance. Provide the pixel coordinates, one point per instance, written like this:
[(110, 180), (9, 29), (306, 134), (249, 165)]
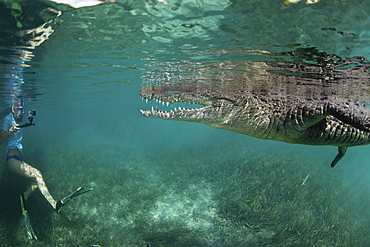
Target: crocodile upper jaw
[(211, 112)]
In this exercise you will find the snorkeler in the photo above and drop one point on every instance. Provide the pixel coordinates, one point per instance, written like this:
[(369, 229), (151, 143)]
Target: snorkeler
[(11, 133)]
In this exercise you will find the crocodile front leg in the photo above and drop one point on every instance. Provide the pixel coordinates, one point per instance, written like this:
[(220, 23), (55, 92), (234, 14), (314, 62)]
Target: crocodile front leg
[(341, 152)]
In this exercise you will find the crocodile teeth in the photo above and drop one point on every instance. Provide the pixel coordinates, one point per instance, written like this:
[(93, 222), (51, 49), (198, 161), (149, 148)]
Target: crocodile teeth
[(154, 111)]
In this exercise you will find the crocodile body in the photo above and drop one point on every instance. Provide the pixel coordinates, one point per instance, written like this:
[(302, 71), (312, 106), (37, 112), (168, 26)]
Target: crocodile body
[(265, 115)]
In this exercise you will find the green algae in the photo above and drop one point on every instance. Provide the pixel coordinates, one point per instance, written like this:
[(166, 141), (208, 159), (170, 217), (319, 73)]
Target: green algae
[(224, 197)]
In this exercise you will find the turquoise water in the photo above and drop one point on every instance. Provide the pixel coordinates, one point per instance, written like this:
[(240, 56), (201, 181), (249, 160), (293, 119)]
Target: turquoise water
[(170, 183)]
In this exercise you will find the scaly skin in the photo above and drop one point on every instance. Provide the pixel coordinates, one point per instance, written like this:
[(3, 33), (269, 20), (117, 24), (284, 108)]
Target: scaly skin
[(309, 122), (242, 105)]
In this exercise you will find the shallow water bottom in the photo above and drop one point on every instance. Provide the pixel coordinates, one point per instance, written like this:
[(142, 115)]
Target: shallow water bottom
[(214, 196)]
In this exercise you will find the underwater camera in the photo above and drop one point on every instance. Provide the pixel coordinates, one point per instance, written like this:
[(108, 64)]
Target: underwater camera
[(31, 114)]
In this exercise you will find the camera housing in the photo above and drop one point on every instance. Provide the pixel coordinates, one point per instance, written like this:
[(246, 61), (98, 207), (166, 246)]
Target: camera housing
[(31, 114)]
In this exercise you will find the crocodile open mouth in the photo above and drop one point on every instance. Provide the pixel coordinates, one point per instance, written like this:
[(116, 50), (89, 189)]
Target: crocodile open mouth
[(172, 106)]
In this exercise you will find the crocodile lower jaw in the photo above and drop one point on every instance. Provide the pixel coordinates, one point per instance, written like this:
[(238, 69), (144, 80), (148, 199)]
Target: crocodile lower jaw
[(171, 111)]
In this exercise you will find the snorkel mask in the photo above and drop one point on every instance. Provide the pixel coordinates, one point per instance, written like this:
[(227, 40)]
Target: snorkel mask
[(17, 108)]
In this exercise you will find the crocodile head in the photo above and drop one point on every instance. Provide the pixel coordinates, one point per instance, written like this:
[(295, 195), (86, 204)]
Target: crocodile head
[(222, 98), (202, 106)]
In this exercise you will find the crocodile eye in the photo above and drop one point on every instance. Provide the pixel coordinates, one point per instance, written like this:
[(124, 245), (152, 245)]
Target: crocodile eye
[(367, 125), (312, 1)]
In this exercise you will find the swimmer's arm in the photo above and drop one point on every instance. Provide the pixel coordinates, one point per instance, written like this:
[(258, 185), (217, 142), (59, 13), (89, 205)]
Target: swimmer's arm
[(4, 135)]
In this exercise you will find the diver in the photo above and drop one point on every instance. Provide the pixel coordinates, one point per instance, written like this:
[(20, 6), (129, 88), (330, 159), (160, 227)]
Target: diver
[(12, 133)]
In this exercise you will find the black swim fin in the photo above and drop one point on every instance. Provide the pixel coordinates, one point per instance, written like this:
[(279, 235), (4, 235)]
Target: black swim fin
[(66, 199)]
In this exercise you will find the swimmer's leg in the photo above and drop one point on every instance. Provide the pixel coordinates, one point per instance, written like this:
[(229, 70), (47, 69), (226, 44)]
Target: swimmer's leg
[(26, 170)]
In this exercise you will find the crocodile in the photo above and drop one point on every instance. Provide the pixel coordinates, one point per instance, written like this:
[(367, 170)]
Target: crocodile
[(293, 118)]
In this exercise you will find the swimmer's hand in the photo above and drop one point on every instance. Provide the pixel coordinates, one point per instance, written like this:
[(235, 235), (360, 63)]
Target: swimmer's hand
[(14, 128)]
